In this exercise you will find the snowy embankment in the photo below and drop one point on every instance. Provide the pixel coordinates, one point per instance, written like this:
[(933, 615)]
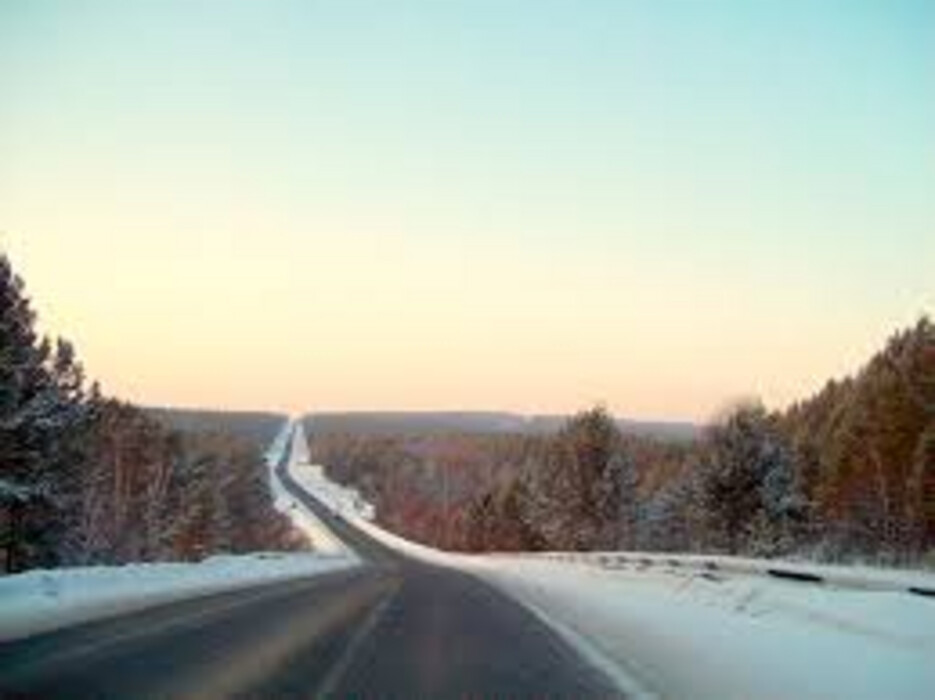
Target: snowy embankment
[(733, 631), (713, 566), (43, 600), (685, 634), (291, 440)]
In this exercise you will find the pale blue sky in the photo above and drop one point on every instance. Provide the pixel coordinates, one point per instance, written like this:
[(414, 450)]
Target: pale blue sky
[(530, 205)]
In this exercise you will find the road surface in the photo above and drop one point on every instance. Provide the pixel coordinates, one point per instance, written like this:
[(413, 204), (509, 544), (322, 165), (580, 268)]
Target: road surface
[(393, 628)]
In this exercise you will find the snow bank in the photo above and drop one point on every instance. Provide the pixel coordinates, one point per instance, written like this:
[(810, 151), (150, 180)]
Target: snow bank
[(312, 478), (686, 635), (860, 577), (43, 600), (683, 633), (292, 438)]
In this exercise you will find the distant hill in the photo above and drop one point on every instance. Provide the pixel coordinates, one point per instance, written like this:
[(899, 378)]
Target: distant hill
[(420, 422), (257, 426)]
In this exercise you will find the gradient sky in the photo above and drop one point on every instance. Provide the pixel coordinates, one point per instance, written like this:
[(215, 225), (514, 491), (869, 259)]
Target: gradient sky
[(502, 204)]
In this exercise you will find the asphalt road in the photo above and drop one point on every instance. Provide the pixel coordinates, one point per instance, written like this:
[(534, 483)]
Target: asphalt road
[(394, 628)]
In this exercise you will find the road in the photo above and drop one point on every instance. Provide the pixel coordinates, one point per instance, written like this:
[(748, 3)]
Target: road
[(393, 628)]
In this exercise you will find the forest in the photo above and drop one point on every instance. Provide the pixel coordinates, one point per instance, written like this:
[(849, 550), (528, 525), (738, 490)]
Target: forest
[(258, 427), (90, 479), (845, 475)]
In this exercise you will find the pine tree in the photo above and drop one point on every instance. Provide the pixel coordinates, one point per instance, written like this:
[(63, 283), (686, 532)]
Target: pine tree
[(748, 485), (616, 503), (21, 360), (672, 518), (871, 488)]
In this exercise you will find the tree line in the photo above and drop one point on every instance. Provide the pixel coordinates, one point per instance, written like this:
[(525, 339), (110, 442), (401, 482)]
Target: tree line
[(88, 479), (846, 474)]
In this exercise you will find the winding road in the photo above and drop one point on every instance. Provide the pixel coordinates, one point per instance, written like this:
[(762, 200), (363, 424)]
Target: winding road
[(392, 628)]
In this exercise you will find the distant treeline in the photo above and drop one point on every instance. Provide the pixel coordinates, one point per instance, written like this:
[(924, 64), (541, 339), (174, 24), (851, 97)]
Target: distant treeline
[(847, 474), (474, 422), (259, 427), (89, 479)]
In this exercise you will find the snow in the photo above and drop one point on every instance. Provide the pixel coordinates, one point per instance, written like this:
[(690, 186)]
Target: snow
[(660, 630), (311, 477), (43, 600), (861, 577), (12, 492), (681, 634), (320, 538)]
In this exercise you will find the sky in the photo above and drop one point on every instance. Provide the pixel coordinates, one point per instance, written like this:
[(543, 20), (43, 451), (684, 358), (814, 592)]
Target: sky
[(661, 205)]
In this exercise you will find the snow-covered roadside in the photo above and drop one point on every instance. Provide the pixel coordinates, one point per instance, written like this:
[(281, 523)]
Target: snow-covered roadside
[(685, 635), (321, 539), (678, 634), (688, 632), (312, 478), (860, 577), (43, 600)]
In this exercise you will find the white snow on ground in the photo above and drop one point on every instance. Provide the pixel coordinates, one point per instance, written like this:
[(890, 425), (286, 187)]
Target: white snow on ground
[(683, 635), (683, 632), (43, 600), (862, 577), (341, 499), (320, 537)]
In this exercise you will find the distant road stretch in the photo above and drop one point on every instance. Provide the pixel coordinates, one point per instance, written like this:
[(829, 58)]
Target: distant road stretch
[(393, 628)]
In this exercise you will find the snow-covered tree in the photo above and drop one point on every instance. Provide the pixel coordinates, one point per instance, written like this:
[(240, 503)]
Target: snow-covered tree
[(750, 496), (41, 410), (615, 500)]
